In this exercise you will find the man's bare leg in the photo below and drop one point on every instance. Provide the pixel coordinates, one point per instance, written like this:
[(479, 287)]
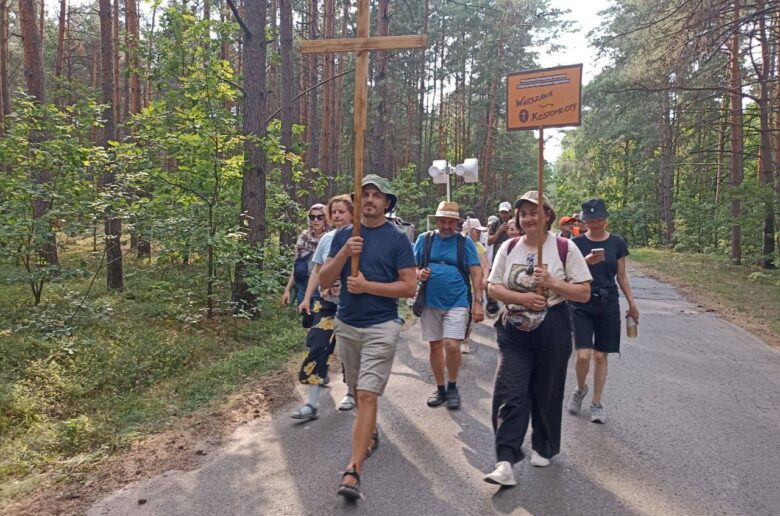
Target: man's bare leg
[(362, 430), (437, 360), (453, 359)]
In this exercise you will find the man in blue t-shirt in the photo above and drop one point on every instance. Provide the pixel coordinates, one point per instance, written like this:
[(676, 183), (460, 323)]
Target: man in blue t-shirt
[(367, 323), (446, 313)]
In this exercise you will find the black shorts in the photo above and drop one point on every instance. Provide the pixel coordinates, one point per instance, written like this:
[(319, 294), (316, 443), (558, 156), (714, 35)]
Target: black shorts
[(597, 323)]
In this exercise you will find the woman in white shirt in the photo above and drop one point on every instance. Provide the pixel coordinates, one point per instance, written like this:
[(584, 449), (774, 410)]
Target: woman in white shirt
[(534, 336)]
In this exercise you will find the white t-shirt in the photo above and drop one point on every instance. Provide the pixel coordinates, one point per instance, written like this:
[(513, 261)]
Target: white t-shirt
[(512, 270)]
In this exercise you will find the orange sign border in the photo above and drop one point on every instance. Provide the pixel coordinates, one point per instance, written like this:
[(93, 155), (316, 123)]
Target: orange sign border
[(537, 70)]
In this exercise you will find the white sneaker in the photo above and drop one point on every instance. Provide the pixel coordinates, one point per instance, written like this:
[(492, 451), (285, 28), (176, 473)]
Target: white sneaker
[(575, 400), (502, 475), (465, 346), (538, 461), (598, 414)]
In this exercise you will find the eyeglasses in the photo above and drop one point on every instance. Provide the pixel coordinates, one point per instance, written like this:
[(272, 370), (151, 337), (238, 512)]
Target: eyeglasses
[(316, 217)]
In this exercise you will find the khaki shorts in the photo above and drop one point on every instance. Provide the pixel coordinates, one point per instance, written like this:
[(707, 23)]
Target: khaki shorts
[(367, 353), (444, 323)]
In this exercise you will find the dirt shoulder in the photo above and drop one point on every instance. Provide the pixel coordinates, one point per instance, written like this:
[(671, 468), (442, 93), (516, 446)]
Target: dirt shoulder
[(182, 447), (712, 303)]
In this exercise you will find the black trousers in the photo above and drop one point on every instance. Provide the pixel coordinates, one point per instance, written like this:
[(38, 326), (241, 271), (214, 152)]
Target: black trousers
[(530, 384)]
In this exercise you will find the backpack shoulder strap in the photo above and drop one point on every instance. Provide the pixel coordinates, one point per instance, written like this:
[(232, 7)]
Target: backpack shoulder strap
[(563, 249), (462, 267), (462, 254), (512, 244), (427, 248)]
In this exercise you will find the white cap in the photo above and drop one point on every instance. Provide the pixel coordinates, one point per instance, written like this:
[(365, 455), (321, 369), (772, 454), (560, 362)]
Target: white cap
[(473, 223), (504, 206), (492, 219)]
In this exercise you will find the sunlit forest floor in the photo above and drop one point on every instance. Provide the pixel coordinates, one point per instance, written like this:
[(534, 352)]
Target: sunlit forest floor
[(746, 295), (76, 385)]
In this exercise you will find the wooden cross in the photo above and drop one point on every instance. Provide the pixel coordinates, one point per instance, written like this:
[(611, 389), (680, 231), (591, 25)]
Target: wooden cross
[(362, 44)]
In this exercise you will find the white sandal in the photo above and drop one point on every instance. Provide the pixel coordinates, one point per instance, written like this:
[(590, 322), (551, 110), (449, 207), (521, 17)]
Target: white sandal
[(348, 403)]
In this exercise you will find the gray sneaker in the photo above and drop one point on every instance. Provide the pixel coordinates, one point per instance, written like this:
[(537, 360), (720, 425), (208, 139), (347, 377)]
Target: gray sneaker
[(598, 414), (575, 400)]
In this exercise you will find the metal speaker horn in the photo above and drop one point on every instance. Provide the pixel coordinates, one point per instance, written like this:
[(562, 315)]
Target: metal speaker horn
[(438, 171), (468, 170)]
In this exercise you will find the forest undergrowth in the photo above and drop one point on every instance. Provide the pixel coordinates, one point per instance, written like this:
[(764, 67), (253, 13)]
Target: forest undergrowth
[(84, 375)]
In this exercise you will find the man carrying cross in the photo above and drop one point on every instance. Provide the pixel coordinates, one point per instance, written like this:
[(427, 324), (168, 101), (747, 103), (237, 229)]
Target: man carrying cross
[(373, 288), (367, 323)]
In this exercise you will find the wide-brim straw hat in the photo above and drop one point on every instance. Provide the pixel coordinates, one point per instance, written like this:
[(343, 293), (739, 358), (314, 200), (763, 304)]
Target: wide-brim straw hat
[(447, 210)]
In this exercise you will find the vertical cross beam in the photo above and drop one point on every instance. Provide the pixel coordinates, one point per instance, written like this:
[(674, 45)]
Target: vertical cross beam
[(362, 44)]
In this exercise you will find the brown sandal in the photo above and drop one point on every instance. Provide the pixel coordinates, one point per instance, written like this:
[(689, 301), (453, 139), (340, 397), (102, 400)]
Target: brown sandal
[(350, 491)]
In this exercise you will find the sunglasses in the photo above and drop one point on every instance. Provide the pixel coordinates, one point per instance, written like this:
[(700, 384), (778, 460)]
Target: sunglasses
[(316, 217)]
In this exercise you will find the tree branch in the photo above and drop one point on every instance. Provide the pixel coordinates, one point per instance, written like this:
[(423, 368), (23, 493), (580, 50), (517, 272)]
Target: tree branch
[(246, 30)]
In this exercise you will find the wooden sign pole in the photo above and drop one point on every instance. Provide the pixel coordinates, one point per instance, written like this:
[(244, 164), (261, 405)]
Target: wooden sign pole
[(362, 44), (542, 217)]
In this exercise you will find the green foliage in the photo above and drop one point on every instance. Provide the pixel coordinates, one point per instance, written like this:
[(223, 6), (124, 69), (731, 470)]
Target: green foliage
[(665, 73), (55, 140)]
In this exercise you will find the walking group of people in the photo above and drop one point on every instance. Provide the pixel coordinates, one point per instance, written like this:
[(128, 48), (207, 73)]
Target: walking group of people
[(570, 296)]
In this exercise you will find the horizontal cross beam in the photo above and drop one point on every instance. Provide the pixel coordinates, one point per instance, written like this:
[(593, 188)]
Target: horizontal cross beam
[(319, 46)]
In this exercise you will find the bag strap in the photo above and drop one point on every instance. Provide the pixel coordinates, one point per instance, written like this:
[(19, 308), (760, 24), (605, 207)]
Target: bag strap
[(463, 268), (512, 244), (427, 248), (563, 249)]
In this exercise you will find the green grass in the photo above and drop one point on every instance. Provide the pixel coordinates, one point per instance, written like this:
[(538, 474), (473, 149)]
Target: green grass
[(74, 389), (752, 292)]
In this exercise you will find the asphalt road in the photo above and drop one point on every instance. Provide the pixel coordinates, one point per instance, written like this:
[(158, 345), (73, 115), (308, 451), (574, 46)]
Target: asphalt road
[(694, 428)]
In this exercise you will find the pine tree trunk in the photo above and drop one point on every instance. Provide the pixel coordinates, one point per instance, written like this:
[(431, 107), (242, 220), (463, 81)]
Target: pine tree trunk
[(287, 114), (765, 166), (60, 40), (336, 123), (273, 79), (143, 244), (117, 75), (252, 217), (327, 91), (487, 154), (666, 175), (777, 114), (736, 172), (34, 80), (4, 90), (421, 101), (313, 119), (113, 224), (722, 125), (379, 162)]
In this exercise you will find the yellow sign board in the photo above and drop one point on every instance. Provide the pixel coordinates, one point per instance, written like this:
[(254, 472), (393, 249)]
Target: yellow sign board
[(550, 97)]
